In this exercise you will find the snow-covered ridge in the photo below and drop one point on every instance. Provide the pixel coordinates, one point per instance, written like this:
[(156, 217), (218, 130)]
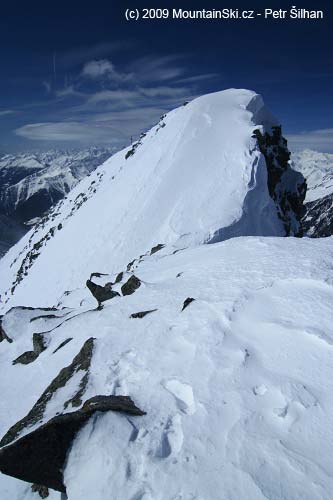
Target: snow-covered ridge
[(198, 176)]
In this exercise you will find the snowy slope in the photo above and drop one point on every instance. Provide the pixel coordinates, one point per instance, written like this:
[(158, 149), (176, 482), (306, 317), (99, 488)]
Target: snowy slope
[(317, 168), (237, 387), (198, 176)]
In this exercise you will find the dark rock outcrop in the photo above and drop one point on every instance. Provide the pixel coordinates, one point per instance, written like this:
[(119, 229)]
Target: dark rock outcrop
[(119, 277), (142, 314), (62, 344), (157, 248), (39, 457), (286, 186), (39, 345), (80, 362), (44, 316), (26, 358), (101, 293), (187, 302), (132, 284), (97, 275), (43, 491)]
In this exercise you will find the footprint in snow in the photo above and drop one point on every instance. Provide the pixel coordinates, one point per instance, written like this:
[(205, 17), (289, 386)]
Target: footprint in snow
[(142, 495), (183, 393), (260, 390), (172, 438)]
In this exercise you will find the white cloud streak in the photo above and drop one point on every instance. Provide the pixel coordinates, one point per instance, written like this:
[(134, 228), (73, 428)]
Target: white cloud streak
[(7, 112)]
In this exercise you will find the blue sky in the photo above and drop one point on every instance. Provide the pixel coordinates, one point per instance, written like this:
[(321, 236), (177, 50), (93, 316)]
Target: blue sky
[(74, 75)]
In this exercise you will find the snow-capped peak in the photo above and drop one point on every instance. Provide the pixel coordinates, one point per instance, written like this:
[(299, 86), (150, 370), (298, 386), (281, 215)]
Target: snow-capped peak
[(200, 175)]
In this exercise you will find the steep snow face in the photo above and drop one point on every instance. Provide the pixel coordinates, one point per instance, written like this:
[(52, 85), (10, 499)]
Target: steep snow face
[(237, 386), (32, 182), (317, 168), (198, 176)]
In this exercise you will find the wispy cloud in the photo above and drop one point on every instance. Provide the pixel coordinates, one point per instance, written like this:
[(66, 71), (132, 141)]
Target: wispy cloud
[(198, 78), (6, 112), (80, 55), (69, 91), (158, 69), (102, 103), (321, 140), (103, 69), (47, 86), (82, 132)]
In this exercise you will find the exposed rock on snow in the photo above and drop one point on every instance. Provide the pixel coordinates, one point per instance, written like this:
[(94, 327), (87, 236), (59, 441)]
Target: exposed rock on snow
[(131, 285), (142, 314), (39, 456), (232, 383), (187, 302), (101, 293), (43, 491), (156, 248), (81, 362), (62, 344), (39, 345)]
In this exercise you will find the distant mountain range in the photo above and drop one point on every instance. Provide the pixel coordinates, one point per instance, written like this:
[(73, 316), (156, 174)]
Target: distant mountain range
[(317, 168), (30, 183)]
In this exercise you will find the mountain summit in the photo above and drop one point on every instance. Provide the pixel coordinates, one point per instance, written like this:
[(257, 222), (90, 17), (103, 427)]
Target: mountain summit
[(160, 337), (210, 170)]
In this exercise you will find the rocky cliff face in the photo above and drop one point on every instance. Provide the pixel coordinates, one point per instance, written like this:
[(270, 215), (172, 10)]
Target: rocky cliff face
[(286, 187)]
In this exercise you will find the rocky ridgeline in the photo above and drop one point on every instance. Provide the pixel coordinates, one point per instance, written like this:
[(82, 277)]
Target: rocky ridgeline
[(288, 199)]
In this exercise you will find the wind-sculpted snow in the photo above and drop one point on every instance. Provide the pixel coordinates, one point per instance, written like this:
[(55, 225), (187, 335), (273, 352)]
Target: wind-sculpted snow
[(237, 386), (198, 176)]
